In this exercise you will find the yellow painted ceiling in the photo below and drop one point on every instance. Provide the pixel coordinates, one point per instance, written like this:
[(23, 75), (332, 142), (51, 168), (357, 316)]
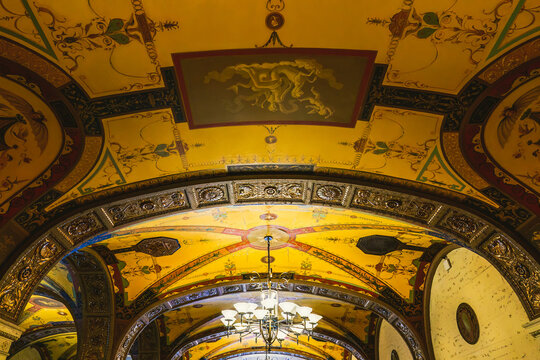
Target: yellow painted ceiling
[(218, 244), (122, 48), (396, 143), (42, 312), (415, 46)]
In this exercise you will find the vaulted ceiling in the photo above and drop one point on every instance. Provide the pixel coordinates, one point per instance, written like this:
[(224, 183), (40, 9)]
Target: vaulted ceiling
[(164, 139)]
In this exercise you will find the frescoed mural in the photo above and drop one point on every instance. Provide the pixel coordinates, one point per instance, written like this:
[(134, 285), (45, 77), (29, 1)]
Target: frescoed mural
[(59, 280), (158, 142), (227, 242), (512, 134), (394, 142), (63, 346), (30, 138), (451, 31), (291, 86), (225, 345), (42, 312)]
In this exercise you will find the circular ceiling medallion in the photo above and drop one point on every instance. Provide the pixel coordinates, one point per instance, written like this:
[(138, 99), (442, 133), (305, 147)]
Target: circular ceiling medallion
[(467, 323), (280, 237), (266, 259), (46, 303), (394, 355), (274, 21), (268, 216)]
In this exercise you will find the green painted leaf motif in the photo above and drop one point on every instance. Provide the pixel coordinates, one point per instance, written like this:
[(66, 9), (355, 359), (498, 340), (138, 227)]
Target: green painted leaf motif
[(379, 151), (120, 38), (114, 25), (426, 32), (382, 144), (145, 269), (431, 18), (162, 153), (160, 147)]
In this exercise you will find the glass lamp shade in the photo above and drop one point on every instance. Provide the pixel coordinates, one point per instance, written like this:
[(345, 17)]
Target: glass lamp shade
[(303, 311), (297, 329), (229, 314), (269, 303), (309, 326), (288, 308), (314, 318), (244, 307), (228, 322), (240, 327), (269, 299), (260, 313), (281, 335)]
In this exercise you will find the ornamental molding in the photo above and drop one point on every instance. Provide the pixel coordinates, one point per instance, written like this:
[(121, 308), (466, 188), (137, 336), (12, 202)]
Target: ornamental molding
[(463, 227), (383, 310)]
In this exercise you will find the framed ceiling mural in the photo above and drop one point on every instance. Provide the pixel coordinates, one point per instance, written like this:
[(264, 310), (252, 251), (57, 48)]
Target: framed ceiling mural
[(278, 86)]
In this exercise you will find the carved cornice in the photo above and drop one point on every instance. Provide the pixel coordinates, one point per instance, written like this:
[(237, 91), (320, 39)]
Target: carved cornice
[(380, 308)]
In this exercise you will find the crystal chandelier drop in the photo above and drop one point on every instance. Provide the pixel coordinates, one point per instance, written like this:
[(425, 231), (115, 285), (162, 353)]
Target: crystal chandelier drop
[(264, 320)]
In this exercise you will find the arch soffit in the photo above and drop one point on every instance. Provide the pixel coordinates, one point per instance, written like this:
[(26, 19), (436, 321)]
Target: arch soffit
[(151, 313), (463, 227)]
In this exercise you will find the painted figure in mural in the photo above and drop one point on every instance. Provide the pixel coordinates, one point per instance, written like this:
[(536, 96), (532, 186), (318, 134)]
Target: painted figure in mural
[(278, 86), (26, 114), (521, 109)]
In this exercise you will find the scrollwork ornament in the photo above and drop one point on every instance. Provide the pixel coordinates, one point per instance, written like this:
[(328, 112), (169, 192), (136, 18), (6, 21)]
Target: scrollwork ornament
[(524, 273), (275, 5), (275, 191), (30, 267), (462, 224), (147, 206), (81, 226)]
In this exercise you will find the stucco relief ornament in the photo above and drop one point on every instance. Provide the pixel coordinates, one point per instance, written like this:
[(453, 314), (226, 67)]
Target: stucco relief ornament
[(329, 192), (462, 224), (211, 194), (81, 226)]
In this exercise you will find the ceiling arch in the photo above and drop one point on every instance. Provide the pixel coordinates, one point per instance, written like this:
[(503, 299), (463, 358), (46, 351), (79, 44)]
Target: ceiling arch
[(164, 108)]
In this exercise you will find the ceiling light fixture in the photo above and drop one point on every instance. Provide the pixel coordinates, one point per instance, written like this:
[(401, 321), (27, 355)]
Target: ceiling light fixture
[(270, 320)]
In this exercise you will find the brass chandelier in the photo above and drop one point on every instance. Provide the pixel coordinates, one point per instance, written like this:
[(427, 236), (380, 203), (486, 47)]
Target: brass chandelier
[(264, 319)]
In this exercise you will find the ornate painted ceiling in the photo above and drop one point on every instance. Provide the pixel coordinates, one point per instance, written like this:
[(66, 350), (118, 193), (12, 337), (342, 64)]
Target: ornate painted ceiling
[(165, 139)]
